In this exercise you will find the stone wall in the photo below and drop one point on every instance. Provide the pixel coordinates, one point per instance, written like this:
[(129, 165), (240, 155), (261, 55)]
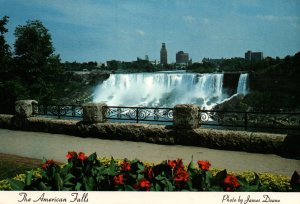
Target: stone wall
[(160, 134), (185, 131)]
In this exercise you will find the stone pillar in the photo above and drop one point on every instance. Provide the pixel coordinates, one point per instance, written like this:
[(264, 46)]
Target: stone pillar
[(186, 116), (26, 108), (94, 112)]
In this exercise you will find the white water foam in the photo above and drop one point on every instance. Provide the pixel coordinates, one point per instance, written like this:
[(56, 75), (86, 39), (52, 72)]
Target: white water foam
[(161, 89), (243, 87)]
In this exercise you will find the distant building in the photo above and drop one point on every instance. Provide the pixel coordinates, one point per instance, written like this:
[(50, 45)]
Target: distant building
[(163, 54), (182, 60), (182, 57), (253, 56)]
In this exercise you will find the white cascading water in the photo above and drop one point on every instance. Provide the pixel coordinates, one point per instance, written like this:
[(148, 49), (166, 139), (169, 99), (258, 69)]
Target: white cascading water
[(243, 84), (161, 89)]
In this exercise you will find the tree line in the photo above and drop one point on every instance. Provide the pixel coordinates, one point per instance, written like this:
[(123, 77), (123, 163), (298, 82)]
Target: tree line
[(30, 69)]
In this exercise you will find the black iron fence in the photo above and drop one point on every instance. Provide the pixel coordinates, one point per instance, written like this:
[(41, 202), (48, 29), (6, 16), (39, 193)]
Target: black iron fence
[(61, 111), (208, 118), (251, 120), (116, 113), (138, 114)]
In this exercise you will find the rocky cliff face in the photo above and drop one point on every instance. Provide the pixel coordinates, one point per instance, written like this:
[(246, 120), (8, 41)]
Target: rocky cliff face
[(230, 82), (86, 77), (235, 103), (77, 87)]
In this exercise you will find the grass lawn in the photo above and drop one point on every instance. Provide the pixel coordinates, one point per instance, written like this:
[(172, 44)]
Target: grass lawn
[(11, 165)]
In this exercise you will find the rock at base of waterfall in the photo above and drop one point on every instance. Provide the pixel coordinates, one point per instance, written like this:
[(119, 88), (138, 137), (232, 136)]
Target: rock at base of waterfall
[(235, 103)]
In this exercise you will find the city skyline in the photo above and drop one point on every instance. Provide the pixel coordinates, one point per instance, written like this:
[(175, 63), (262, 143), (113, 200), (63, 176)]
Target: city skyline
[(124, 30)]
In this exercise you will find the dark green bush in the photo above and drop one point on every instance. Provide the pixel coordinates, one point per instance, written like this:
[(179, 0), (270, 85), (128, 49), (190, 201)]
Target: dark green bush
[(93, 174)]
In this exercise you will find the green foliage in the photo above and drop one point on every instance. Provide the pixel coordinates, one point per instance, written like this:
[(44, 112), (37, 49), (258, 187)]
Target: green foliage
[(90, 173), (77, 66), (263, 101), (34, 54), (295, 182), (277, 82), (5, 54), (205, 67), (33, 72), (274, 83), (10, 91), (33, 43), (142, 65)]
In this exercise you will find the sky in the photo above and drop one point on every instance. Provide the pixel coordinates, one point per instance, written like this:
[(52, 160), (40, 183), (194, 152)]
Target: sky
[(101, 30)]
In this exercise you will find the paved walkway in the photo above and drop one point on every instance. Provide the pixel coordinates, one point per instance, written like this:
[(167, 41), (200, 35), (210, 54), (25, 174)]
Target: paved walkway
[(55, 146)]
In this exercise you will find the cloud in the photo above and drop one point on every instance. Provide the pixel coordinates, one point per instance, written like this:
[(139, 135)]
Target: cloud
[(267, 17), (189, 19), (278, 18), (140, 32), (205, 21), (291, 20)]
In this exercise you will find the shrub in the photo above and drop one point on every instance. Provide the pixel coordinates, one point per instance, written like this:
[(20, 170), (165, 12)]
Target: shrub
[(89, 173)]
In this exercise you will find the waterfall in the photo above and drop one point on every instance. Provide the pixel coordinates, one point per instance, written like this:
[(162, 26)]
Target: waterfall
[(161, 89), (243, 84)]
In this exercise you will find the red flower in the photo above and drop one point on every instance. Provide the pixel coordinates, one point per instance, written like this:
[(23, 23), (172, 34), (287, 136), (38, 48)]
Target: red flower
[(176, 164), (135, 187), (44, 166), (48, 163), (125, 166), (119, 180), (144, 184), (231, 183), (204, 165), (70, 155), (172, 163), (181, 176), (149, 172), (180, 164), (81, 156)]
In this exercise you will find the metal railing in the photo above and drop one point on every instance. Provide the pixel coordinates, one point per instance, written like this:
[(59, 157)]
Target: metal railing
[(117, 113), (251, 120), (138, 114), (61, 111), (208, 118)]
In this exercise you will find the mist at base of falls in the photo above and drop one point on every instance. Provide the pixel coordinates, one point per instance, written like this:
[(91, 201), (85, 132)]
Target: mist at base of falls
[(161, 89)]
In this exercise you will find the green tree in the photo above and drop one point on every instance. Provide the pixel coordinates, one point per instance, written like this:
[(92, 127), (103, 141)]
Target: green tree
[(11, 88), (5, 53), (35, 61), (33, 47)]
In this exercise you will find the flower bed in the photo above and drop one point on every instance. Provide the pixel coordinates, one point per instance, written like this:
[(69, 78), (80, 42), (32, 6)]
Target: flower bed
[(90, 173)]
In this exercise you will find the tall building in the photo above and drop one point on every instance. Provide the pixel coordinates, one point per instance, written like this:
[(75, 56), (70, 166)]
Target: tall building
[(253, 56), (182, 57), (163, 54)]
